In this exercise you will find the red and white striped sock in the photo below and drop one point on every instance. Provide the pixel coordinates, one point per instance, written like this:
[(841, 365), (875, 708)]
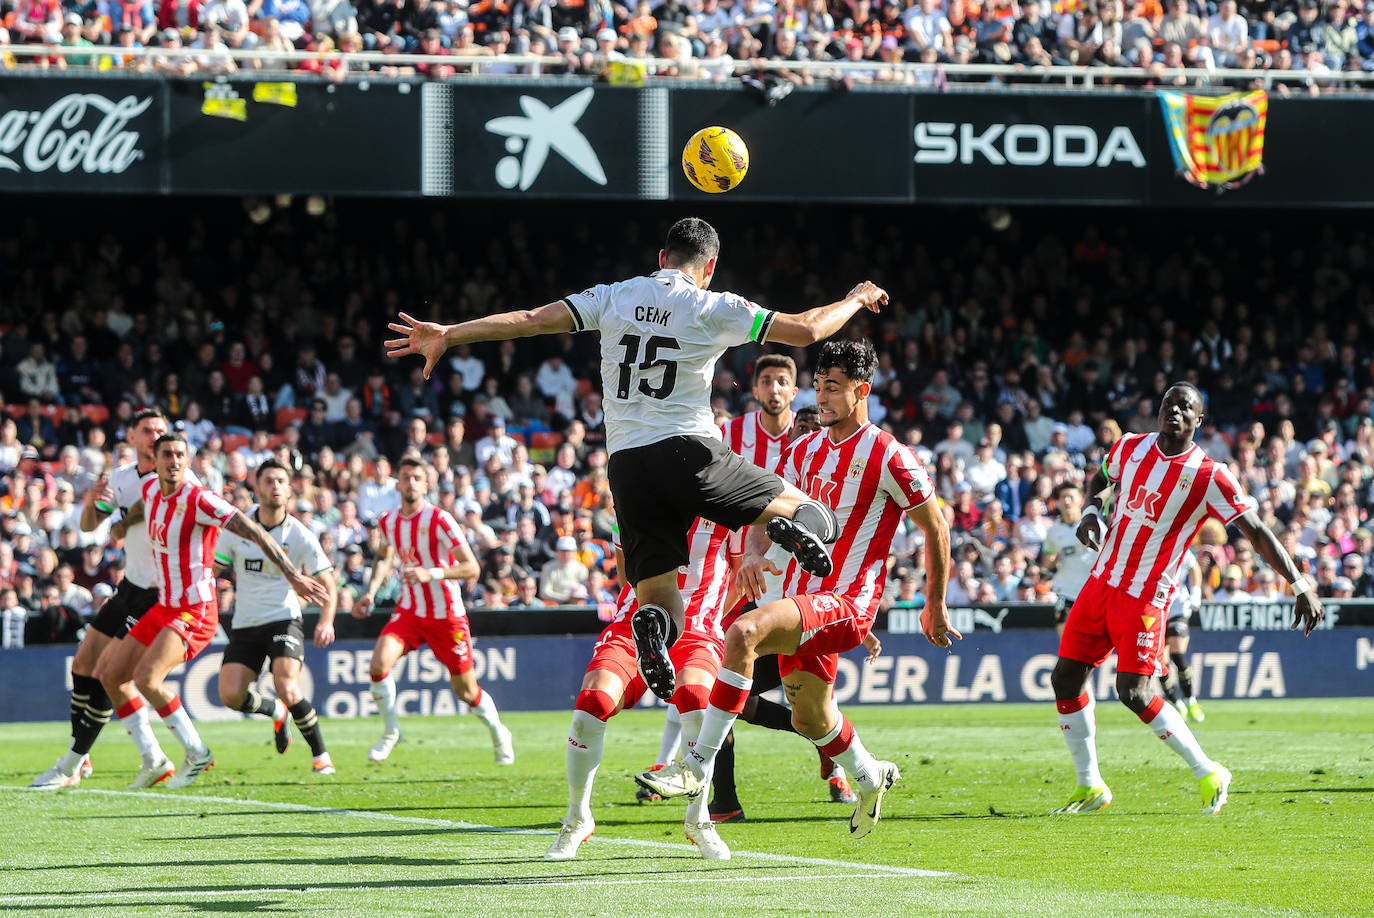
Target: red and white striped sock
[(1078, 724), (728, 696), (384, 694), (586, 742), (179, 722), (485, 708), (1170, 726), (138, 723), (844, 746)]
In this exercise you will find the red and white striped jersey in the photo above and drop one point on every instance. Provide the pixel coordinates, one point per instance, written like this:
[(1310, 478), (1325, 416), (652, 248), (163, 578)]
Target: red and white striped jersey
[(1159, 505), (745, 435), (183, 528), (430, 537), (869, 479), (703, 582)]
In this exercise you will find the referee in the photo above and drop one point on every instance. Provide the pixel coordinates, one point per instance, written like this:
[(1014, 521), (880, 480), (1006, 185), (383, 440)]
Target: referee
[(267, 617)]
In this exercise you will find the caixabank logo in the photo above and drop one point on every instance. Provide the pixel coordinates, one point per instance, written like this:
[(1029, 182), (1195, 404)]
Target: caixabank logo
[(541, 141), (541, 130)]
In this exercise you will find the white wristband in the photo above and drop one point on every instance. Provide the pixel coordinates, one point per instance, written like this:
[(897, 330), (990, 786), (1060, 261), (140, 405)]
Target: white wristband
[(1092, 511), (437, 573), (1300, 586)]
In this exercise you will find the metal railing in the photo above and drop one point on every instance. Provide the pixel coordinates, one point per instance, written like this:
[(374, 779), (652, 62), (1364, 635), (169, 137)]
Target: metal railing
[(898, 76)]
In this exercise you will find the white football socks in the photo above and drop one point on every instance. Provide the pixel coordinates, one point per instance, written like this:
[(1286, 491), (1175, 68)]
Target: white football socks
[(384, 693), (586, 740)]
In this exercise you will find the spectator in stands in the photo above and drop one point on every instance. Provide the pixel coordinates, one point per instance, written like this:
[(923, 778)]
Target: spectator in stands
[(528, 550), (497, 443), (214, 54), (378, 494), (927, 27), (55, 622), (528, 595), (38, 375), (1080, 36), (1227, 33)]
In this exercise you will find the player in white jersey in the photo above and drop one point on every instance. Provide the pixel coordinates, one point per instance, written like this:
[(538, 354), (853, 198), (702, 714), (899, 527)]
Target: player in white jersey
[(1061, 552), (184, 521), (1165, 487), (869, 479), (267, 617), (661, 336), (434, 556), (612, 683), (92, 707), (1177, 678)]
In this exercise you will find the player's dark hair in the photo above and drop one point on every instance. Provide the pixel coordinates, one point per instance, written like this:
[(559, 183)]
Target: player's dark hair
[(144, 413), (268, 464), (807, 414), (1065, 487), (409, 459), (855, 359), (691, 242), (172, 436), (775, 362)]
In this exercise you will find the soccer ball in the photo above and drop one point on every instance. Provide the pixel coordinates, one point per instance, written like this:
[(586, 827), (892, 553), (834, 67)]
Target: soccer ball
[(715, 159)]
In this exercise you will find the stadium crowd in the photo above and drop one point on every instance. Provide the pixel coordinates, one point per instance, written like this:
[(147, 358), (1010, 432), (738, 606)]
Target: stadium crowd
[(1011, 360), (709, 39)]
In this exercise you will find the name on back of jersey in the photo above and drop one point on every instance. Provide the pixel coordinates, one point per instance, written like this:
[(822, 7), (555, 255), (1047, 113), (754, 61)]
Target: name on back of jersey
[(653, 314)]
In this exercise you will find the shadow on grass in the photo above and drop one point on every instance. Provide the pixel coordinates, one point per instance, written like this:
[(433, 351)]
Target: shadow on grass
[(608, 868)]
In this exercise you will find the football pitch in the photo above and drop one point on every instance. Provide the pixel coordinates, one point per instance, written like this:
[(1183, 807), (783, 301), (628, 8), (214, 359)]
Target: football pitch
[(440, 830)]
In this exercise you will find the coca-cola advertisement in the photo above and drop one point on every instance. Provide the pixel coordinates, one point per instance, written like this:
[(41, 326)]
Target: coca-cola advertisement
[(81, 135)]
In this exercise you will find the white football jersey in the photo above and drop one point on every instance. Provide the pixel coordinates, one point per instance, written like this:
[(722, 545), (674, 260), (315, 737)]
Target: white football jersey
[(1074, 560), (661, 336), (127, 485), (263, 593)]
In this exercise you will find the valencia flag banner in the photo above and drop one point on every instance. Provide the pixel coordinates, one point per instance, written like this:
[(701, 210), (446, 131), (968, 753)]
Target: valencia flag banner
[(1217, 141)]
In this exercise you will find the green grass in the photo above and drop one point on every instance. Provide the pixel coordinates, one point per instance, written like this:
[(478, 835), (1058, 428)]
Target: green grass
[(440, 830)]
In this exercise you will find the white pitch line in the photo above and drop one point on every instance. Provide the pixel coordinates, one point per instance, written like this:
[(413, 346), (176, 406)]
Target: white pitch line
[(477, 827)]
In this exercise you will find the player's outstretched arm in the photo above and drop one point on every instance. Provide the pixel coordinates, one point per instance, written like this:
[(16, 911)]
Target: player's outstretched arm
[(824, 321), (381, 567), (1307, 608), (430, 339), (305, 586), (935, 617)]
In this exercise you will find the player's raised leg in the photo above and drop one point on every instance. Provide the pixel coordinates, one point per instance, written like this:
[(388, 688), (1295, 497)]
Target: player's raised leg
[(388, 649), (765, 630)]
